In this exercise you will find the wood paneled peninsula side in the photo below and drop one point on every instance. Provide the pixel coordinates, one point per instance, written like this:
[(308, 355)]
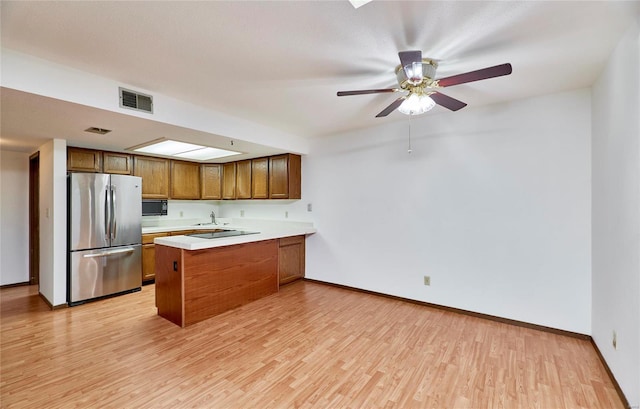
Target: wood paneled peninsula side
[(199, 278)]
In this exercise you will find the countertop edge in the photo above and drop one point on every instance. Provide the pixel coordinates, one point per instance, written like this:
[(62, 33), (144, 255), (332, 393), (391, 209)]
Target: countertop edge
[(195, 243)]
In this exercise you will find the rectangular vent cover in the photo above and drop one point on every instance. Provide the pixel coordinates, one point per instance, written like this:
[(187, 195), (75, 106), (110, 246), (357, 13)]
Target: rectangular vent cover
[(135, 100), (99, 131)]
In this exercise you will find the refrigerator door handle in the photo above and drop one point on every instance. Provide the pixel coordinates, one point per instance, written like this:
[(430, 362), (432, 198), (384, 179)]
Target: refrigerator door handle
[(107, 215), (114, 220), (109, 253)]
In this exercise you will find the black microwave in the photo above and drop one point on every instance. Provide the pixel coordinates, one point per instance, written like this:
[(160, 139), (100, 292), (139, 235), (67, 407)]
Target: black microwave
[(154, 207)]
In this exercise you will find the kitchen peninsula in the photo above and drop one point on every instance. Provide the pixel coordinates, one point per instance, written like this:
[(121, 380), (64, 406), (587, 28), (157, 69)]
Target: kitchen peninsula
[(197, 278)]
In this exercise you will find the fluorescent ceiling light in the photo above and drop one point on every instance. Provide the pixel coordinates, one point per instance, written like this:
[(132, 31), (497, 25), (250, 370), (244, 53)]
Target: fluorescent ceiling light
[(168, 147), (206, 154), (358, 3)]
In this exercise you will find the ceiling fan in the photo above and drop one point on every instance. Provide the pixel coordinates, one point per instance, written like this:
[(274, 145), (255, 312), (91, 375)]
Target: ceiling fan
[(417, 76)]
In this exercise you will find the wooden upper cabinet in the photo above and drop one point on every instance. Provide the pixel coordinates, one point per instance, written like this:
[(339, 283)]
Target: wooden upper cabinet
[(155, 176), (229, 180), (84, 160), (118, 163), (211, 181), (185, 180), (274, 177), (285, 176), (243, 179), (260, 178)]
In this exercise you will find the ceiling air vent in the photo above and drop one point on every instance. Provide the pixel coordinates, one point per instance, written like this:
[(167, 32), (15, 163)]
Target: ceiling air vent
[(99, 131), (135, 100)]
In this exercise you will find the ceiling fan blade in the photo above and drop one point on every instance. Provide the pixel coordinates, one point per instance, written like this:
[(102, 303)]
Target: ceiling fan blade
[(366, 91), (394, 105), (483, 74), (408, 57), (447, 102)]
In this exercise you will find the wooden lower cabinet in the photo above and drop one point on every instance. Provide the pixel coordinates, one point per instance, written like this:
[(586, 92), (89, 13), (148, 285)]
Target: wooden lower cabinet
[(193, 285), (149, 256), (290, 259), (184, 232)]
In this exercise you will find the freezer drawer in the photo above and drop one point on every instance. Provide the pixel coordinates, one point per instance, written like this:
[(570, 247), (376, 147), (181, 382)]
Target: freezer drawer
[(100, 272)]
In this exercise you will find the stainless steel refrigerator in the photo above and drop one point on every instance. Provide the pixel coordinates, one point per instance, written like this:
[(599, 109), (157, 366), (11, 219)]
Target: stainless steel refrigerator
[(105, 234)]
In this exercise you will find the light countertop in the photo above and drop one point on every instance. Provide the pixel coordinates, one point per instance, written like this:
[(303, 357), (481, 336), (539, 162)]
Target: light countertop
[(268, 229)]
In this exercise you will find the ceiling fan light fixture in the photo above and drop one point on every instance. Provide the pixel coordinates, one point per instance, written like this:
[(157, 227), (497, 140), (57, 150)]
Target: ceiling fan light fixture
[(414, 72), (416, 104)]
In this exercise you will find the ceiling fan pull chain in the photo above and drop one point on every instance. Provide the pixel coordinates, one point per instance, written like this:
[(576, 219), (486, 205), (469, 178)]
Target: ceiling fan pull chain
[(409, 150)]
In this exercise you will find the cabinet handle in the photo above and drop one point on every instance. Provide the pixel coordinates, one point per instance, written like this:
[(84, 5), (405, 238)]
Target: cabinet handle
[(175, 266)]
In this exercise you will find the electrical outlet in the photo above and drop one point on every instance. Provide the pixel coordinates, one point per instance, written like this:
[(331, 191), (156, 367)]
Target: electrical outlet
[(241, 213), (614, 340), (427, 280), (309, 207), (286, 215), (181, 213)]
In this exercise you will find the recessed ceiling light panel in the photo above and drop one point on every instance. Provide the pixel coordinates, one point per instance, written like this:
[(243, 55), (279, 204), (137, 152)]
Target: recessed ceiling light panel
[(183, 150), (206, 154), (358, 3), (168, 147)]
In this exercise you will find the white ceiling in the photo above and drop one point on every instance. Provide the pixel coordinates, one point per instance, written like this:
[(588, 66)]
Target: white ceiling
[(280, 63)]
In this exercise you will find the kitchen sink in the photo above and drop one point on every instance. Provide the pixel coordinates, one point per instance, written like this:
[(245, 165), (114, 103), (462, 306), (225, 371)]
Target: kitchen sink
[(218, 233), (203, 224)]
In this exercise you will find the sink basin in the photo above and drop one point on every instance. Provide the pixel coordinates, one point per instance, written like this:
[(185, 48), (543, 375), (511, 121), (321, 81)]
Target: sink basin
[(203, 224), (221, 233)]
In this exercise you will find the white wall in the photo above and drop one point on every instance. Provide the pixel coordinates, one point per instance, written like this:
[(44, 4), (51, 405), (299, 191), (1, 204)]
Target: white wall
[(493, 204), (14, 217), (616, 213), (37, 76), (53, 221), (184, 212), (285, 210)]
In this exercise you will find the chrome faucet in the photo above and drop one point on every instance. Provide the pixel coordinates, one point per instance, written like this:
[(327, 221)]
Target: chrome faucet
[(213, 217)]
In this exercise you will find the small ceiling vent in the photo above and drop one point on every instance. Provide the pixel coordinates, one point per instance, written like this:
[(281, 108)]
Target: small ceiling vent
[(99, 131), (135, 100)]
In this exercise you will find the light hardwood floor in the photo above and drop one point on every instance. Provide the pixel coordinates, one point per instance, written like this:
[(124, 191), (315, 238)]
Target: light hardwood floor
[(309, 346)]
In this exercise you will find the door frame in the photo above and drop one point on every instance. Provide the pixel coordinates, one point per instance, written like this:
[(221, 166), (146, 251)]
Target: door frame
[(34, 219)]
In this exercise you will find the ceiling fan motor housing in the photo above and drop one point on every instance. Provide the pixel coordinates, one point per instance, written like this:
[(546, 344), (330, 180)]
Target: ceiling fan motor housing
[(428, 74)]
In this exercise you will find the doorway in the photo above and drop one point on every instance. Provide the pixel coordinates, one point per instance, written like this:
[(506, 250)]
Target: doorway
[(34, 219)]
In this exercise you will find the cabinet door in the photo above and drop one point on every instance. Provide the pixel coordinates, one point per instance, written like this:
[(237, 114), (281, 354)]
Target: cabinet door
[(260, 178), (84, 160), (181, 232), (290, 259), (155, 176), (148, 262), (229, 181), (185, 180), (149, 255), (285, 177), (117, 163), (211, 181), (243, 179)]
